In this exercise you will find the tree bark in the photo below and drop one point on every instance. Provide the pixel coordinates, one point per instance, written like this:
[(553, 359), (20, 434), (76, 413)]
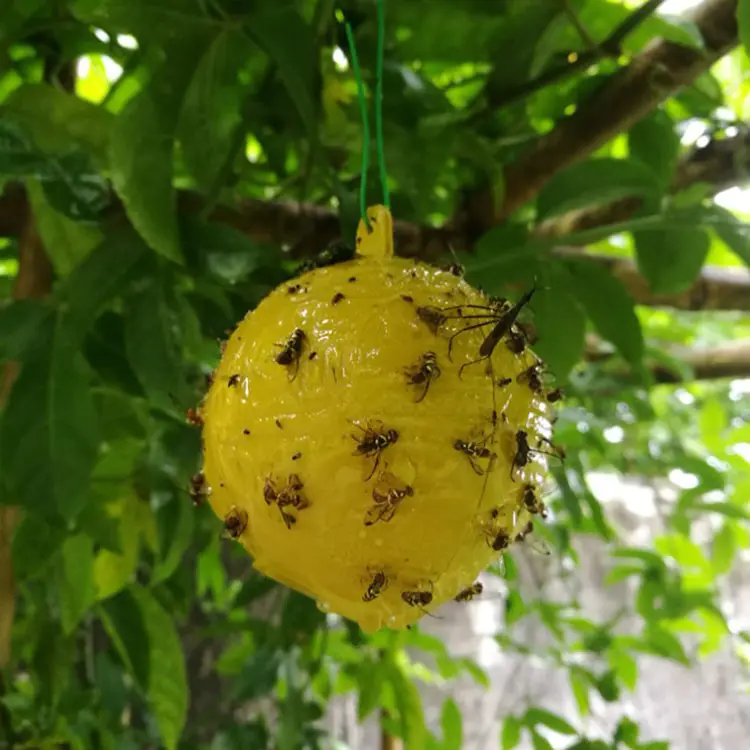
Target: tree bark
[(654, 75)]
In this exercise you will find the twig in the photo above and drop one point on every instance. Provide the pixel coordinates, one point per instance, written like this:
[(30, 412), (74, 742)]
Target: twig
[(610, 47), (583, 32)]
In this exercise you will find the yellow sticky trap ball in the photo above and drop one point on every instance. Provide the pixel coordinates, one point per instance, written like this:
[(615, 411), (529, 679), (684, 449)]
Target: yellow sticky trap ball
[(351, 455)]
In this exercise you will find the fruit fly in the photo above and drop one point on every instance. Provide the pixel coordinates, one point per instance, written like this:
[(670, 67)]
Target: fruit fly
[(532, 503), (555, 395), (431, 317), (291, 350), (454, 268), (378, 584), (467, 594), (373, 442), (473, 450), (234, 381), (423, 373), (419, 598), (532, 376), (386, 503), (235, 522), (289, 496), (523, 452), (515, 341), (499, 540), (194, 418), (198, 489)]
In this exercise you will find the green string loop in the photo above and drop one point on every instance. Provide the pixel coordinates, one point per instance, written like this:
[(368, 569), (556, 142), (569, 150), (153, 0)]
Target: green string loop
[(379, 140), (365, 125)]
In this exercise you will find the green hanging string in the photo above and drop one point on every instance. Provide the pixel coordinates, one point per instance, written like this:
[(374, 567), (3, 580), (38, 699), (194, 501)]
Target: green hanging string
[(379, 105), (365, 125)]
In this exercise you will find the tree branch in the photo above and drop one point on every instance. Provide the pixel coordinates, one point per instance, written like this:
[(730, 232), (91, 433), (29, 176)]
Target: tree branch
[(658, 72), (303, 229), (730, 360), (610, 47)]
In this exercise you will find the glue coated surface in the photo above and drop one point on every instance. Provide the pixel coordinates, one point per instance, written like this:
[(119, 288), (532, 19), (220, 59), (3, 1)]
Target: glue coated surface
[(422, 520)]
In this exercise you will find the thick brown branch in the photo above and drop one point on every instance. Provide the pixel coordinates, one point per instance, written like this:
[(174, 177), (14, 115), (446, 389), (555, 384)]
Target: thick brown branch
[(658, 72), (303, 229)]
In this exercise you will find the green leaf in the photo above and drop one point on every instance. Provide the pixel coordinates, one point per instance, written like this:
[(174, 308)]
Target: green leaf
[(594, 181), (103, 274), (654, 142), (229, 255), (610, 307), (75, 580), (55, 120), (113, 571), (48, 432), (259, 675), (370, 676), (35, 544), (671, 259), (68, 178), (536, 716), (211, 115), (451, 723), (561, 326), (666, 644), (289, 42), (175, 522), (20, 323), (626, 667), (540, 743), (734, 233), (510, 735), (125, 625), (167, 680), (723, 549), (141, 151), (153, 345), (579, 686), (729, 510), (147, 641), (743, 22), (66, 241), (408, 705)]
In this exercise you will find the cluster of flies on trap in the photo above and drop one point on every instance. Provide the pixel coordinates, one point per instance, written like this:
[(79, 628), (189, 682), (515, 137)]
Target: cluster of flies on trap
[(373, 439)]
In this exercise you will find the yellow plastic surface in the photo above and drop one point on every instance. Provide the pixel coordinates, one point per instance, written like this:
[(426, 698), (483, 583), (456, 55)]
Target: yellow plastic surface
[(265, 421)]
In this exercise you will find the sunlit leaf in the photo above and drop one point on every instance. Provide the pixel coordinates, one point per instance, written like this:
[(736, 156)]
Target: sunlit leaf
[(510, 735), (594, 181), (723, 549), (141, 152), (671, 259), (452, 726), (610, 307), (536, 716)]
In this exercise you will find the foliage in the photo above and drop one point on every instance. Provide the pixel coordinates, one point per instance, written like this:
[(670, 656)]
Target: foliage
[(126, 592)]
